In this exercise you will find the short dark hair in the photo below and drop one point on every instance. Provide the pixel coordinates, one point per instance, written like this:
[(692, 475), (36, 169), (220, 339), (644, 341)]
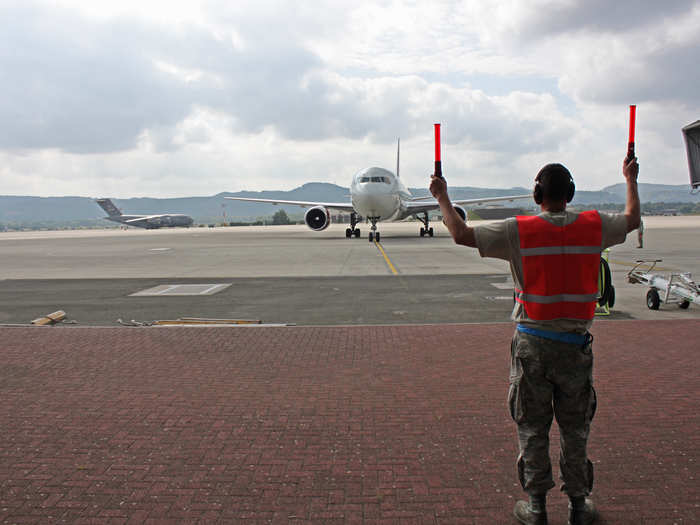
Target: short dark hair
[(555, 181)]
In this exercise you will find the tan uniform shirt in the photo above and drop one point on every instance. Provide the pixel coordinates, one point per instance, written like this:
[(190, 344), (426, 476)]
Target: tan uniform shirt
[(501, 240)]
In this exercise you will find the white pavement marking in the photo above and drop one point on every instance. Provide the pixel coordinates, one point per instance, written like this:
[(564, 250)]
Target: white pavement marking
[(182, 289), (503, 286), (210, 291), (166, 290)]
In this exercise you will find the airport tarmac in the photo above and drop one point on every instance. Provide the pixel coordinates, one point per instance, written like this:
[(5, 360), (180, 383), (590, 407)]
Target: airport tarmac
[(404, 423), (290, 274)]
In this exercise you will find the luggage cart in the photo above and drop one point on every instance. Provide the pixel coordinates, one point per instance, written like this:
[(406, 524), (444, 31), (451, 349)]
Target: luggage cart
[(678, 289)]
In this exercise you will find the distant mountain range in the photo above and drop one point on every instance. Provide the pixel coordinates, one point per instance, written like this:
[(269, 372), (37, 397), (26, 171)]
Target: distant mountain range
[(66, 210)]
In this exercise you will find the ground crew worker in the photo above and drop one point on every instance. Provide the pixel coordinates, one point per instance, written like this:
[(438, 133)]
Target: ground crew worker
[(554, 258)]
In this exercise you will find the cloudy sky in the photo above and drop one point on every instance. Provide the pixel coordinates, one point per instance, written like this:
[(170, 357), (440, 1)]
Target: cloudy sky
[(166, 98)]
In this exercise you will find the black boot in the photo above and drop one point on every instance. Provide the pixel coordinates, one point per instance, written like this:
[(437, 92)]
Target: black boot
[(581, 511), (533, 512)]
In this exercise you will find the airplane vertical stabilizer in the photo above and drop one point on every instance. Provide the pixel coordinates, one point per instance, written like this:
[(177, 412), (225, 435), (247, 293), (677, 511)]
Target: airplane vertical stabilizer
[(108, 206), (398, 151)]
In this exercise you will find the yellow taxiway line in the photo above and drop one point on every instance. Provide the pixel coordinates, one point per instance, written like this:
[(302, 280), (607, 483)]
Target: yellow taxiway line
[(386, 258)]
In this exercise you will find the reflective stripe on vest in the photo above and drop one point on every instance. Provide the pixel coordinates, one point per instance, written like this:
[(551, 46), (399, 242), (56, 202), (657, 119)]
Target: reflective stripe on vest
[(560, 267)]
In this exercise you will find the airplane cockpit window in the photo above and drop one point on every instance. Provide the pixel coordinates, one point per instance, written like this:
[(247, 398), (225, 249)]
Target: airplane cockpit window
[(385, 180)]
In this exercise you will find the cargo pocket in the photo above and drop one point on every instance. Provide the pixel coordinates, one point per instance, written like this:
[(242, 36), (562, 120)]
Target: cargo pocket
[(515, 405), (521, 471), (592, 404), (515, 402)]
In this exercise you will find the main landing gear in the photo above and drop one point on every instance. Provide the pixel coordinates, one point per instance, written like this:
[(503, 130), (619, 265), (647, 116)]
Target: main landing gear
[(428, 230), (352, 230), (374, 234)]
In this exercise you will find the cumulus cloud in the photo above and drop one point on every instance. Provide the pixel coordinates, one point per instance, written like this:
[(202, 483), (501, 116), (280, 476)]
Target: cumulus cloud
[(89, 86), (80, 86), (164, 90), (524, 22), (86, 85), (646, 68), (604, 52)]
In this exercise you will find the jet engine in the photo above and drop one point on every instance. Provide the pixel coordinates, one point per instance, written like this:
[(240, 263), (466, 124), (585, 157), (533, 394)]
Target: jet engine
[(317, 218), (460, 211)]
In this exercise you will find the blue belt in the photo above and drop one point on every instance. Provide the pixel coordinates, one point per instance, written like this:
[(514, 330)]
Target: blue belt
[(564, 337)]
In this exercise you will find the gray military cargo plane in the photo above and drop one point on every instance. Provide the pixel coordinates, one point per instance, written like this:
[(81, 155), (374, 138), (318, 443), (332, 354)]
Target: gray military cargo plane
[(143, 221)]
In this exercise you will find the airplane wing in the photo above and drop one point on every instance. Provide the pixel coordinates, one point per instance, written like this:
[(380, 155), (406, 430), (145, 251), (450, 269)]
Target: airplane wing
[(422, 204), (340, 206), (145, 218)]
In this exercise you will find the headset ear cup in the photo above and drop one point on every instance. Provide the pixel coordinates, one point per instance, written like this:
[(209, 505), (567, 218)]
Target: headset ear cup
[(537, 193), (571, 191)]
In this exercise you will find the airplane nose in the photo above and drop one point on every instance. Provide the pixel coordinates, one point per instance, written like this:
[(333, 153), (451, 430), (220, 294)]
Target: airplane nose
[(379, 205), (377, 201)]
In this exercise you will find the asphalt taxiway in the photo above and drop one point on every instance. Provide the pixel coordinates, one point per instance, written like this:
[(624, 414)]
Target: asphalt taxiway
[(290, 274)]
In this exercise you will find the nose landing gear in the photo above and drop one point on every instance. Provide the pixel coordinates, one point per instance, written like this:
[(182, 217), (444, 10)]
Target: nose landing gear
[(374, 234)]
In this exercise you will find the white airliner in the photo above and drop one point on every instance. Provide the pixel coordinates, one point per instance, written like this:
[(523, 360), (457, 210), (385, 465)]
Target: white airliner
[(378, 195)]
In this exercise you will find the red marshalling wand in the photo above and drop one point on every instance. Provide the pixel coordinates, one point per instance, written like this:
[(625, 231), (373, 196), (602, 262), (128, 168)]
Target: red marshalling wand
[(438, 162), (630, 141)]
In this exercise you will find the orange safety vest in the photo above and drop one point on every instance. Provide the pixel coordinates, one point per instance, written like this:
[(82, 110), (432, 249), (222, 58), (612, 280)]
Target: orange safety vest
[(560, 267)]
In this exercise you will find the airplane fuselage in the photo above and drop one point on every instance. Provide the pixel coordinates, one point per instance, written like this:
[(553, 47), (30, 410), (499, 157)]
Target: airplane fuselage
[(161, 221), (378, 193)]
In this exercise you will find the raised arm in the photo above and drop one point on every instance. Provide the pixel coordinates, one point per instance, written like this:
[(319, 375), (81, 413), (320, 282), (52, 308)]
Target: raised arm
[(461, 233), (630, 169)]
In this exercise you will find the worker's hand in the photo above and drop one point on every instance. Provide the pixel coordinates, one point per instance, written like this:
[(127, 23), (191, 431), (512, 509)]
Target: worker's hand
[(438, 187), (630, 169)]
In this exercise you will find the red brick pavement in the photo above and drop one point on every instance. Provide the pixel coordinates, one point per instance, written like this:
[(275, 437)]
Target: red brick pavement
[(371, 424)]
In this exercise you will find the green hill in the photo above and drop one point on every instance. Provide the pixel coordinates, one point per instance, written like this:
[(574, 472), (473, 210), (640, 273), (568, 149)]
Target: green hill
[(53, 212)]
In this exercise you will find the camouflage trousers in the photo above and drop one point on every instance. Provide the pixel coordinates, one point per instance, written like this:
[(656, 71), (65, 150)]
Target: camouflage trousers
[(552, 379)]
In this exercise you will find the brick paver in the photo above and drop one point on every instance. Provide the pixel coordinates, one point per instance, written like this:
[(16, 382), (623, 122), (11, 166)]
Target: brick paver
[(369, 424)]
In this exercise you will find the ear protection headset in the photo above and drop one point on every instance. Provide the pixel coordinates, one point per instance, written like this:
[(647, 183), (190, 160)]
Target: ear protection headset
[(538, 190)]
